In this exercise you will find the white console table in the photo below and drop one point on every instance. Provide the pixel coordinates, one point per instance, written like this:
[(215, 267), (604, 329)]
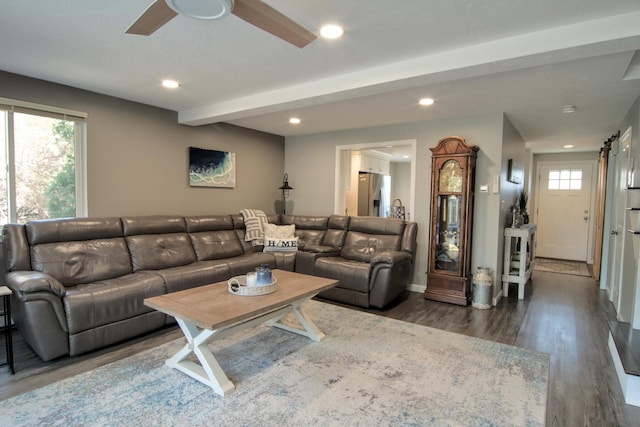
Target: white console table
[(518, 263)]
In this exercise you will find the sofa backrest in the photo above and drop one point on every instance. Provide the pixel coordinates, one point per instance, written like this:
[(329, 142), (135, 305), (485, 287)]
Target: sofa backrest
[(337, 227), (78, 250), (15, 247), (368, 235), (310, 230), (213, 237), (157, 242)]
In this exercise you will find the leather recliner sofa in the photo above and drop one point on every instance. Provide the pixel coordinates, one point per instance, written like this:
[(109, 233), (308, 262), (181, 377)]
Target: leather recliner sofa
[(79, 284)]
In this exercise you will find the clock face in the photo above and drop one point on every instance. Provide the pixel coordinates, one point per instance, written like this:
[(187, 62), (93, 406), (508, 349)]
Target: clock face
[(450, 177)]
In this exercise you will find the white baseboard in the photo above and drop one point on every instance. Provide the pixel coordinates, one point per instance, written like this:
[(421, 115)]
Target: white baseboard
[(414, 287), (630, 384), (497, 298)]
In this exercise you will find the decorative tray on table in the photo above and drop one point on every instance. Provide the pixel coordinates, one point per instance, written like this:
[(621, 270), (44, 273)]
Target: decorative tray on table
[(237, 285)]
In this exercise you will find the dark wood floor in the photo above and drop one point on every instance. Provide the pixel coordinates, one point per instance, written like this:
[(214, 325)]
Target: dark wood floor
[(565, 316)]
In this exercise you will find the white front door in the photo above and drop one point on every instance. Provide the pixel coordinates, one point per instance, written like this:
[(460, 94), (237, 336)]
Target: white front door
[(564, 210)]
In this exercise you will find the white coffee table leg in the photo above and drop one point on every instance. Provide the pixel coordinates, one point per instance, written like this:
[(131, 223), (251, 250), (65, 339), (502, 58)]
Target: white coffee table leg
[(310, 329), (208, 371)]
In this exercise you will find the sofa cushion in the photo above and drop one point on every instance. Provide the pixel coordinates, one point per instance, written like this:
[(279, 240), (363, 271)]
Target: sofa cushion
[(221, 244), (279, 245), (15, 247), (306, 222), (353, 275), (72, 229), (374, 225), (362, 246), (82, 261), (309, 237), (274, 231), (248, 262), (192, 275), (280, 238), (88, 306), (208, 223), (157, 251), (156, 224)]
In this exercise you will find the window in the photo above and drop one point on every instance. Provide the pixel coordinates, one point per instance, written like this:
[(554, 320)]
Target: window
[(565, 179), (43, 158)]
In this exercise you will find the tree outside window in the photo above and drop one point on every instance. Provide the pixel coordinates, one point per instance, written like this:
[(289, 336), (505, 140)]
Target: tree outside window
[(40, 155)]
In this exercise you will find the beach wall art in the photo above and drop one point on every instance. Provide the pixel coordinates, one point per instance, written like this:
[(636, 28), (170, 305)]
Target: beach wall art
[(211, 168)]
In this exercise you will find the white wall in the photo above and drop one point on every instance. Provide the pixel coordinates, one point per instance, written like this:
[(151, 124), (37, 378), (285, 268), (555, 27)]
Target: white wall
[(401, 183), (629, 292), (310, 162)]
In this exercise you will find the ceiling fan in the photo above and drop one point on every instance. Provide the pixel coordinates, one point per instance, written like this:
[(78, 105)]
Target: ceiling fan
[(254, 12)]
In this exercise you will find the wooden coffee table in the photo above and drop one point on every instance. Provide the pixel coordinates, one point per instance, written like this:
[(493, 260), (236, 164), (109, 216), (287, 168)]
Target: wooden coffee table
[(210, 312)]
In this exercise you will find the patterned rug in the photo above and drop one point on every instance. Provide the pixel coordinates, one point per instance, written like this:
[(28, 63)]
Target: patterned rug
[(575, 268), (369, 370)]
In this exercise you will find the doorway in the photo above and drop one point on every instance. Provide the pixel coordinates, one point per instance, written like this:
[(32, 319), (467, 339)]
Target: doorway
[(564, 206), (344, 174)]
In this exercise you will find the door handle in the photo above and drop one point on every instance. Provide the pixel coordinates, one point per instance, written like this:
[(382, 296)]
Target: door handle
[(586, 217), (614, 233)]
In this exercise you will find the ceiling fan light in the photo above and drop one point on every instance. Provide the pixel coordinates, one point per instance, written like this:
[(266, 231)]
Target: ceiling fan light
[(331, 31), (202, 9)]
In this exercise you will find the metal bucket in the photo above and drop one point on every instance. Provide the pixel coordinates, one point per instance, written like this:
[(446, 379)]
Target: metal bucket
[(482, 288)]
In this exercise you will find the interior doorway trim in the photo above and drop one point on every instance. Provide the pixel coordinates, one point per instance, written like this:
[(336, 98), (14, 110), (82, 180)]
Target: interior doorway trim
[(338, 204)]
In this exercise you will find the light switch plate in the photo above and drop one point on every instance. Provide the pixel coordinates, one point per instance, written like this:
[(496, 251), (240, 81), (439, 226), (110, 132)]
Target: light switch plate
[(495, 185), (484, 188)]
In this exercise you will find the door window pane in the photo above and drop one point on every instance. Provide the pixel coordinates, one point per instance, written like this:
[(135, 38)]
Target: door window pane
[(565, 179)]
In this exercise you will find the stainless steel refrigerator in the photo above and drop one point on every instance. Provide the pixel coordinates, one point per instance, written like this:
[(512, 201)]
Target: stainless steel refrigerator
[(369, 186)]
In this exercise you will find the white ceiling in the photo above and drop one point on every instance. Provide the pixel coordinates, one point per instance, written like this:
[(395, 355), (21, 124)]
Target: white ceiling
[(525, 58)]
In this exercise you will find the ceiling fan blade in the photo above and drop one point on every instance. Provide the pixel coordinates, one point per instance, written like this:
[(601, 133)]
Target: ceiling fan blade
[(266, 18), (153, 18)]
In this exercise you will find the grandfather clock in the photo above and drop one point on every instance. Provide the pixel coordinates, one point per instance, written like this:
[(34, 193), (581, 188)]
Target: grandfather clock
[(452, 193)]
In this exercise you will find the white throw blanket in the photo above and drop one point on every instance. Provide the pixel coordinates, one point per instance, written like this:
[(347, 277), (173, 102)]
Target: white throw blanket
[(254, 222)]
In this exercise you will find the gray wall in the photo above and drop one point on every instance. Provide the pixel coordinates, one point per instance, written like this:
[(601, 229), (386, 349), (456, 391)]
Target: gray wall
[(312, 156), (137, 155)]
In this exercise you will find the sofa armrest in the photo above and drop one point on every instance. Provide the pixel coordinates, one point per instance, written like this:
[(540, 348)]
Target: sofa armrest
[(389, 257), (23, 283), (321, 249)]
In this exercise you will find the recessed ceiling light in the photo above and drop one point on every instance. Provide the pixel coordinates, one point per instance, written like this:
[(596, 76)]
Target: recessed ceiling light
[(568, 109), (294, 120), (170, 84), (426, 101), (331, 31), (568, 146)]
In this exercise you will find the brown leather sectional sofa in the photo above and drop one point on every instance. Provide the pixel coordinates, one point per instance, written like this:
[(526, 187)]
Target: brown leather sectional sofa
[(79, 284)]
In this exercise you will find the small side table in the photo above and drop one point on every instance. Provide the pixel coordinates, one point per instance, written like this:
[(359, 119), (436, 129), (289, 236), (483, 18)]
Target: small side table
[(5, 293), (518, 263)]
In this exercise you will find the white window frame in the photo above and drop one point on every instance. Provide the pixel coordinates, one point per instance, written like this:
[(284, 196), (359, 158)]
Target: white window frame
[(80, 143)]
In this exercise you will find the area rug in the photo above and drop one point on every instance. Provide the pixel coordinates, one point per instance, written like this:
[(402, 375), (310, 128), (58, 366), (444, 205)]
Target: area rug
[(575, 268), (368, 371)]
